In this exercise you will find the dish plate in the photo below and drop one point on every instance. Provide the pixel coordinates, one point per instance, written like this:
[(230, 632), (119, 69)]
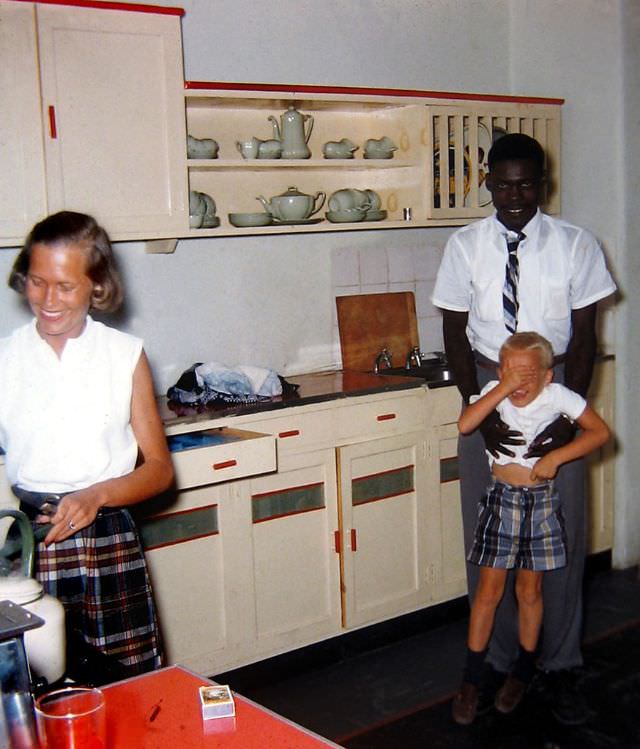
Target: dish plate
[(300, 222), (375, 215)]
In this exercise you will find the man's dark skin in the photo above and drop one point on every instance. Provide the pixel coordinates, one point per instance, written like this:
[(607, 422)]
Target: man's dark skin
[(516, 188)]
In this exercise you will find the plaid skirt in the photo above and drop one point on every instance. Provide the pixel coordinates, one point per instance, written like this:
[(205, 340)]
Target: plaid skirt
[(520, 527), (100, 576)]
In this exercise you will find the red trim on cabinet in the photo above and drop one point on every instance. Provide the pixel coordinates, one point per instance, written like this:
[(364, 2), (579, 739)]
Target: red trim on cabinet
[(290, 433), (354, 540), (365, 91), (53, 130), (112, 5), (399, 469), (224, 464), (181, 541)]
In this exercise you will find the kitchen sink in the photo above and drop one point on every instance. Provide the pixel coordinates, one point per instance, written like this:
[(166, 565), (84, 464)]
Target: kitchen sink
[(434, 371)]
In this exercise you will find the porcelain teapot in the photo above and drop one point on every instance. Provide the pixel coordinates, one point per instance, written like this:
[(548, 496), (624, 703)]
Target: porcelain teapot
[(293, 132), (45, 646), (293, 205)]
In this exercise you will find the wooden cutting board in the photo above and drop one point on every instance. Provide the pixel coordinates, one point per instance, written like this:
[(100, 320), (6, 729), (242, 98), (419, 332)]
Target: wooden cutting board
[(370, 322)]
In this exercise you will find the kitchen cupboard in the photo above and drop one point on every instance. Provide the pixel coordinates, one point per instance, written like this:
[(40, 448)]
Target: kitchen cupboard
[(97, 120), (417, 122), (387, 539)]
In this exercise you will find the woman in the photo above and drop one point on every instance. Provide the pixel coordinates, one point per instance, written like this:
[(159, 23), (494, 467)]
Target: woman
[(83, 437)]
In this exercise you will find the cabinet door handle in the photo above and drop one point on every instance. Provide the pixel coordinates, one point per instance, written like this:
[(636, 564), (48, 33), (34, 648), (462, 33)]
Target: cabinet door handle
[(336, 541), (53, 130), (385, 417), (354, 540), (224, 464), (290, 433)]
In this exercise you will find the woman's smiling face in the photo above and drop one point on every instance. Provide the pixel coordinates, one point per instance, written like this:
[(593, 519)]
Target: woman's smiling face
[(59, 291)]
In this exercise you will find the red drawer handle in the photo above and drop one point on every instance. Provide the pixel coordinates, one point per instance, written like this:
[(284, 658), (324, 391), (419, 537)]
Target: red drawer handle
[(354, 540), (225, 464), (386, 417), (53, 130), (336, 541), (290, 433)]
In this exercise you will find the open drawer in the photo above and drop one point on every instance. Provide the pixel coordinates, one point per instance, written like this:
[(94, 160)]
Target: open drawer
[(210, 456)]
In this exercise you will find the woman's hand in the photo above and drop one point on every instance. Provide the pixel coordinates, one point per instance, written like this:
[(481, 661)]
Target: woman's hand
[(75, 511)]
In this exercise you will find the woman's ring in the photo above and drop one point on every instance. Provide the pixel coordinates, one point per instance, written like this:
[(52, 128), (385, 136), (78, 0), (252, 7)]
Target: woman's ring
[(72, 525)]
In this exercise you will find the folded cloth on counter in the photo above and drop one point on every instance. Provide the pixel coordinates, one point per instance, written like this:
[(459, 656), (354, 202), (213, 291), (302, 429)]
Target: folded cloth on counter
[(213, 381)]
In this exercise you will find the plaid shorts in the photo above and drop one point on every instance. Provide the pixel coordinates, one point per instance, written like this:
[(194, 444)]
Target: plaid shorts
[(100, 576), (520, 527)]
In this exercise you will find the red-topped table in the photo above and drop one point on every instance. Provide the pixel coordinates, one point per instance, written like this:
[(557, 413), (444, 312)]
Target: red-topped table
[(162, 709)]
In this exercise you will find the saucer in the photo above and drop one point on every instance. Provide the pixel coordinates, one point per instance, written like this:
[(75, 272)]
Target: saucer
[(375, 215), (343, 217), (299, 222)]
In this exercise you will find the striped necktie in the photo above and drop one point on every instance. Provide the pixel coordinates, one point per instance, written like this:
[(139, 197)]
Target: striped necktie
[(510, 291)]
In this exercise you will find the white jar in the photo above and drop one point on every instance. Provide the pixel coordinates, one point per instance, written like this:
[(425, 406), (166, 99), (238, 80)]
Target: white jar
[(45, 646)]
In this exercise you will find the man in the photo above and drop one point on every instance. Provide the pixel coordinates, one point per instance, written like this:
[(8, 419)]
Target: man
[(518, 270)]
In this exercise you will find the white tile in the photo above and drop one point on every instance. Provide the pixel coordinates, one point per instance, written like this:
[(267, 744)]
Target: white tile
[(424, 307), (426, 261), (373, 266), (430, 331), (400, 260), (375, 288), (345, 268), (406, 286)]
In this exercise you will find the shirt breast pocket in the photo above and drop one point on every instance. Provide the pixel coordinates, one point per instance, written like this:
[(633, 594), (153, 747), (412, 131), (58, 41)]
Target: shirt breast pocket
[(556, 301), (487, 300)]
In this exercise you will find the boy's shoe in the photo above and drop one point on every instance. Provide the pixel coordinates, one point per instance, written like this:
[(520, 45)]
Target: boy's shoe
[(568, 705), (510, 695), (492, 680), (465, 704)]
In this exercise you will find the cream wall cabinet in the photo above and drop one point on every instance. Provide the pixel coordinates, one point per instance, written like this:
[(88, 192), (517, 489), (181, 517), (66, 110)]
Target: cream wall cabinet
[(111, 119), (22, 189), (417, 123)]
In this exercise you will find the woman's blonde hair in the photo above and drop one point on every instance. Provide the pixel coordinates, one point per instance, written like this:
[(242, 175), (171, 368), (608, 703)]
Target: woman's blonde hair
[(529, 341), (69, 227)]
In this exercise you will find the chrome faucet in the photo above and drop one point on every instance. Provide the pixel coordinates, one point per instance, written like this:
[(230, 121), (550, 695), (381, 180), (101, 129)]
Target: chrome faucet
[(413, 358), (384, 357)]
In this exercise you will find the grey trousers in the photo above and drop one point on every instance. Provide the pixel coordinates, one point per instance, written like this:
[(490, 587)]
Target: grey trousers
[(562, 589)]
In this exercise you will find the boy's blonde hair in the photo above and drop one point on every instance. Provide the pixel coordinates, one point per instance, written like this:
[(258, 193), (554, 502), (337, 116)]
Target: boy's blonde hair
[(529, 341)]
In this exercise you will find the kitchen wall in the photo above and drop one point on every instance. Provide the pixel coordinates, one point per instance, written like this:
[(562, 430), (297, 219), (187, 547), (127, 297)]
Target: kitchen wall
[(270, 300)]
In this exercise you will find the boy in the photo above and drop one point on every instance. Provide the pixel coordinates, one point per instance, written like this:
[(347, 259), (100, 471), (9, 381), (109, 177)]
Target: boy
[(519, 523)]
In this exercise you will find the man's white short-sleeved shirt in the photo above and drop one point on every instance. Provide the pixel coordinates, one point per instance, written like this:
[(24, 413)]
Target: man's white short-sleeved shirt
[(562, 268), (554, 400)]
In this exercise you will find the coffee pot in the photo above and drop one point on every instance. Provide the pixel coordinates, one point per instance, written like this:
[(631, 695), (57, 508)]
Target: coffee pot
[(293, 132), (46, 645)]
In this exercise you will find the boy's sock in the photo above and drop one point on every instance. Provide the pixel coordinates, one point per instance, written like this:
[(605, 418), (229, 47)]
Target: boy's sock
[(525, 665), (473, 666)]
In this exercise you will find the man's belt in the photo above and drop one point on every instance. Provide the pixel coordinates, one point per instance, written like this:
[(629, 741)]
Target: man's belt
[(45, 502), (485, 363)]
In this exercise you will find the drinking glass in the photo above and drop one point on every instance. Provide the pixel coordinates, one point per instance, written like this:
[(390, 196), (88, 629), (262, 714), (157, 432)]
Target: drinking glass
[(72, 718)]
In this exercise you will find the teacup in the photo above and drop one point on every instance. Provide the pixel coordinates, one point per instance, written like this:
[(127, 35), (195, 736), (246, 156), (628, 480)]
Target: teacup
[(269, 149), (201, 148), (375, 201), (344, 200), (248, 148)]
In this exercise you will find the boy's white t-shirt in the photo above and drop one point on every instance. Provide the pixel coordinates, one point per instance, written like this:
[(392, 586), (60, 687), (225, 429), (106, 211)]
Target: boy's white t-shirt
[(554, 400)]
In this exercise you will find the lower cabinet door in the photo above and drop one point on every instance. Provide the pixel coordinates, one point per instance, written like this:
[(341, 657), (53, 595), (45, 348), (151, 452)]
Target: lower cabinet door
[(385, 506), (453, 575), (187, 548), (291, 554)]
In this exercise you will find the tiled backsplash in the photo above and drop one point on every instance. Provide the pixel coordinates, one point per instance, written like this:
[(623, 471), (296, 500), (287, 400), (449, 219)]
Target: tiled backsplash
[(372, 270)]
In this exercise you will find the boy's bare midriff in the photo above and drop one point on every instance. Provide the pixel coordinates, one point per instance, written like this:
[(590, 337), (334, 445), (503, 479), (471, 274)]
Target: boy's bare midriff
[(514, 474)]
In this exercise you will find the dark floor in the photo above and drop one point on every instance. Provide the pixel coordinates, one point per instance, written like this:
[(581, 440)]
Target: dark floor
[(390, 685)]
